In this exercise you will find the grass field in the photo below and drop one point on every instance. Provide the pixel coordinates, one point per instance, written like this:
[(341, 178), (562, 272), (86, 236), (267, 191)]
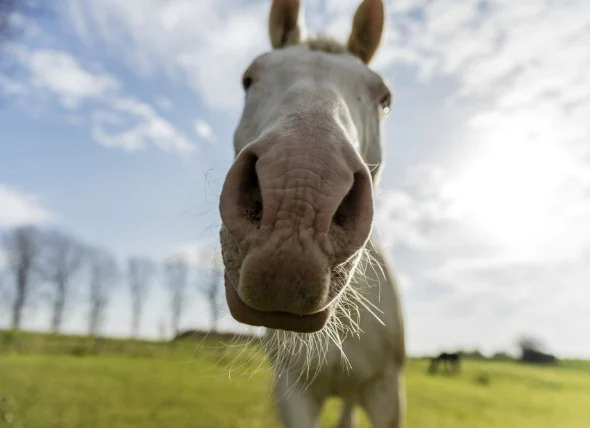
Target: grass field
[(67, 382)]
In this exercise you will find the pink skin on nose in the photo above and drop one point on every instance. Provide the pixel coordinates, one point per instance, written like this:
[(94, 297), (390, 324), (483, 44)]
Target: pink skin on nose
[(294, 206)]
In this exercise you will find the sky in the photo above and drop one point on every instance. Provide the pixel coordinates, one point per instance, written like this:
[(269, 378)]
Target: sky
[(117, 122)]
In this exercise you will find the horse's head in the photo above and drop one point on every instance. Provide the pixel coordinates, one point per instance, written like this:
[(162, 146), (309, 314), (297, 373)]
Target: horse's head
[(297, 203)]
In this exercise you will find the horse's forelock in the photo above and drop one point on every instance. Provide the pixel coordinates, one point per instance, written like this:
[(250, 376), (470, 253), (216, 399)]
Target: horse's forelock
[(325, 44)]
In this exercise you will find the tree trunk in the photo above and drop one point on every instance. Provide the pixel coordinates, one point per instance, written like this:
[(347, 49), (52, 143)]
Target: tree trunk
[(214, 317), (136, 322), (57, 316), (19, 300), (17, 309), (93, 320)]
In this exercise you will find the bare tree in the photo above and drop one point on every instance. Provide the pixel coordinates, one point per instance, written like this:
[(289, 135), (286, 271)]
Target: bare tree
[(530, 343), (176, 273), (532, 351), (212, 291), (21, 247), (61, 258), (103, 276), (140, 272)]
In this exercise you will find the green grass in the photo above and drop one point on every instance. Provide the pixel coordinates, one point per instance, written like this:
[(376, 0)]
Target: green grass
[(67, 382)]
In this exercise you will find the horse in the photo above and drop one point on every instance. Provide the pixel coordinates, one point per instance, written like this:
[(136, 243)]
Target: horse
[(450, 361), (301, 258)]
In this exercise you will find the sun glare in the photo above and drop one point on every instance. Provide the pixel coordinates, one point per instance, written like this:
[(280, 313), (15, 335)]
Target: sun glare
[(510, 190)]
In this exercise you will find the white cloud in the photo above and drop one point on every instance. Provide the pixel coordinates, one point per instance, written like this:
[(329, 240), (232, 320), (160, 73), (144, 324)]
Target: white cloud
[(149, 128), (163, 36), (339, 6), (480, 46), (164, 103), (152, 36), (528, 199), (204, 130), (504, 45), (531, 295), (402, 218), (60, 74), (18, 208), (523, 185), (10, 86), (406, 216), (526, 196), (404, 281), (492, 269)]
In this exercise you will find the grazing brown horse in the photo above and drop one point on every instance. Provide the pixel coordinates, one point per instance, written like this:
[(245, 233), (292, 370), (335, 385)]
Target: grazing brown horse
[(297, 215)]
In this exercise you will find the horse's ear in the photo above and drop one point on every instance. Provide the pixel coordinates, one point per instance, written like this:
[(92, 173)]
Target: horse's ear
[(285, 24), (367, 29)]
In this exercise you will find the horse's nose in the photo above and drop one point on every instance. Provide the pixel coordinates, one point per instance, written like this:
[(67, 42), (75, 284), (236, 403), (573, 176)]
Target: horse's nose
[(297, 209), (303, 189)]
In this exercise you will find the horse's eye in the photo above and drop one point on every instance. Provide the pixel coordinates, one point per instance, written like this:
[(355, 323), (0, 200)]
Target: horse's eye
[(385, 102), (247, 82)]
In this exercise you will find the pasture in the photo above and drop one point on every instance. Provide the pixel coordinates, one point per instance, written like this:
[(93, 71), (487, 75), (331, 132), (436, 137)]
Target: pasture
[(74, 382)]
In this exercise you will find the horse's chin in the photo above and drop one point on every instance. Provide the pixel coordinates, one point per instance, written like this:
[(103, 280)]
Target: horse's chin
[(278, 320), (245, 314)]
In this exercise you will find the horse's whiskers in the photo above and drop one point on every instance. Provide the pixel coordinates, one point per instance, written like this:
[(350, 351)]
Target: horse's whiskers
[(304, 354)]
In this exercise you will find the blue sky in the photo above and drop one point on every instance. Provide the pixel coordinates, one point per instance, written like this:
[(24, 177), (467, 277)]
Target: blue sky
[(118, 124)]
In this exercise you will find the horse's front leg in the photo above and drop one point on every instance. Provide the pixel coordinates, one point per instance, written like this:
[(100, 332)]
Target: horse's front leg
[(298, 407), (384, 400)]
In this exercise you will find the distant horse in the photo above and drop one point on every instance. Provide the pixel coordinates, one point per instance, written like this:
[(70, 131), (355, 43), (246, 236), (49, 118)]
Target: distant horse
[(449, 361)]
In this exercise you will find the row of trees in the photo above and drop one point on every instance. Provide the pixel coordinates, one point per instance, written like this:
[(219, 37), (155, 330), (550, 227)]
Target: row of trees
[(64, 271)]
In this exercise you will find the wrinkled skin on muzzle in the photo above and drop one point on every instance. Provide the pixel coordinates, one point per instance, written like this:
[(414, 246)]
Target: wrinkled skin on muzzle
[(296, 206)]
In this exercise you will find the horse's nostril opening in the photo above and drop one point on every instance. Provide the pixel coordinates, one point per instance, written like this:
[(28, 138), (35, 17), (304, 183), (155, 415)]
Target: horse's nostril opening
[(350, 208), (250, 198)]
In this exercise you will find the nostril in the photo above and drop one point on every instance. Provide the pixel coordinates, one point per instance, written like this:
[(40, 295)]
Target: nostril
[(350, 208), (250, 197)]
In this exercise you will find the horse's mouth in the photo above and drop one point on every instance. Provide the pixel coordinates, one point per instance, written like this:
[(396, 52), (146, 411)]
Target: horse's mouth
[(275, 320)]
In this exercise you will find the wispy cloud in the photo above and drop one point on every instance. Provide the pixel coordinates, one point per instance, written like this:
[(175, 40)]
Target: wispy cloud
[(149, 128), (164, 103), (60, 74), (57, 74), (204, 130), (483, 46), (9, 86), (502, 52), (20, 208), (523, 187), (409, 214), (153, 36)]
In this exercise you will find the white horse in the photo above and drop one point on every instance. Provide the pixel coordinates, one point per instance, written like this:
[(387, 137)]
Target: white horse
[(297, 213)]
